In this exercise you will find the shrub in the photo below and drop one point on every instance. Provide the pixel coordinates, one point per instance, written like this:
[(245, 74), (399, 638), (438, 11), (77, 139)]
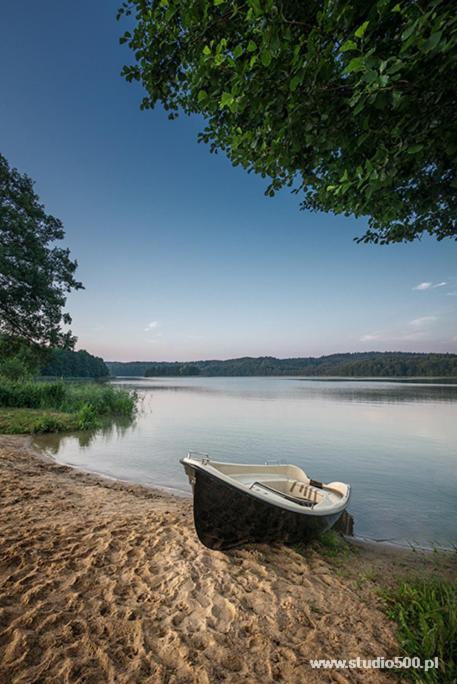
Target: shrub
[(87, 417), (84, 403), (49, 424), (68, 397), (14, 369)]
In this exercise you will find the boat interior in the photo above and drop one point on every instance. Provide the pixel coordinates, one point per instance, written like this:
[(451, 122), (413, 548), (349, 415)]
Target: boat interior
[(279, 481)]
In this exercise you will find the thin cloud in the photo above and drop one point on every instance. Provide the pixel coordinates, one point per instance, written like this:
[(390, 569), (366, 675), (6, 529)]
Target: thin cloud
[(422, 320), (428, 285), (151, 326), (369, 338)]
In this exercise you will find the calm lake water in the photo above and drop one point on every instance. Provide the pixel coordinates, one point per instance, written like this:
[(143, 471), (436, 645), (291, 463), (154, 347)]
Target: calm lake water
[(394, 442)]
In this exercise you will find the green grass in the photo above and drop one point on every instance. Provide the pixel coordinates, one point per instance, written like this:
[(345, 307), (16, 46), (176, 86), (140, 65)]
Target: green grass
[(426, 613), (329, 544), (30, 407), (333, 544), (21, 421)]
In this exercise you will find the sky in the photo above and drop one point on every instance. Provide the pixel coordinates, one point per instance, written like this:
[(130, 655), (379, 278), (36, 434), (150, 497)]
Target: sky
[(181, 254)]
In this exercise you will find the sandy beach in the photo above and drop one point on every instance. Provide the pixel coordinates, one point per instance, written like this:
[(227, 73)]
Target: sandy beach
[(102, 581)]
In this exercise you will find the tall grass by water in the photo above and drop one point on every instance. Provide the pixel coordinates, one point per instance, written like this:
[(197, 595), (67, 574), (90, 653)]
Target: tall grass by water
[(31, 406), (426, 613)]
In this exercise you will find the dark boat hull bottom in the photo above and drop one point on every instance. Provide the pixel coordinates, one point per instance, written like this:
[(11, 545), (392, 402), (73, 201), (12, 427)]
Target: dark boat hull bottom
[(225, 517)]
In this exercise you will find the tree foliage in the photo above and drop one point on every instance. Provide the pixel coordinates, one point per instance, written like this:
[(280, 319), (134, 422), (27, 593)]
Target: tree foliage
[(351, 103), (35, 274), (359, 364), (80, 364), (19, 359)]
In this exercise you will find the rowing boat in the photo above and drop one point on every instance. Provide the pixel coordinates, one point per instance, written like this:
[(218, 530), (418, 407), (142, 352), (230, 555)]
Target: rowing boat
[(241, 503)]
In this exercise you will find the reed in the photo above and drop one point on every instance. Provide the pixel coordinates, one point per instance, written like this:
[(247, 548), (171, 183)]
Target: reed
[(32, 406), (425, 610)]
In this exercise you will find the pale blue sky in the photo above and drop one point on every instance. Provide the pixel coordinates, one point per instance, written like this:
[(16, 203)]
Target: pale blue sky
[(181, 254)]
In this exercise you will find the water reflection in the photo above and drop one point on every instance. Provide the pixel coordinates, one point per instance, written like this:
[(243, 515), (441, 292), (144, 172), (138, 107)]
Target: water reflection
[(392, 394), (54, 442), (345, 524), (338, 389)]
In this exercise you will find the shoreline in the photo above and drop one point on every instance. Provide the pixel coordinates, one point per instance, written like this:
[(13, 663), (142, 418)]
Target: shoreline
[(102, 580), (356, 539), (111, 478)]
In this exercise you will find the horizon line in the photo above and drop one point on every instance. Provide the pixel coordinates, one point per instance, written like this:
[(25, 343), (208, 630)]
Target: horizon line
[(285, 358)]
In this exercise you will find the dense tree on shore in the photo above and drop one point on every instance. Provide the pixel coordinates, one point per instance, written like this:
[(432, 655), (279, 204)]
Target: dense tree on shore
[(350, 103), (129, 368), (35, 274), (367, 364), (20, 359), (80, 364)]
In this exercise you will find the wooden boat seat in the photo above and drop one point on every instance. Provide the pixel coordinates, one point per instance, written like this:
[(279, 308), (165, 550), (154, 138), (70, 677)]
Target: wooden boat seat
[(301, 500), (302, 489)]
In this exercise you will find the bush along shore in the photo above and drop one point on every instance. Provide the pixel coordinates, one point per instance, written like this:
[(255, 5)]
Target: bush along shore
[(34, 407)]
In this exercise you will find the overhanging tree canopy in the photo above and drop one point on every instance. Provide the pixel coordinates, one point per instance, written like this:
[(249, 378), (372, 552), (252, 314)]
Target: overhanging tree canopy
[(352, 103), (35, 274)]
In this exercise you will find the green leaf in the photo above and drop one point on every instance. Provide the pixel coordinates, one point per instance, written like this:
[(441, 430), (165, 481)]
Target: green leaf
[(218, 2), (396, 96), (361, 30), (359, 107), (226, 99), (356, 64), (414, 148), (238, 51), (431, 43), (409, 30), (370, 76), (265, 58), (348, 45), (170, 13), (202, 95), (206, 50), (294, 83), (255, 6), (252, 47)]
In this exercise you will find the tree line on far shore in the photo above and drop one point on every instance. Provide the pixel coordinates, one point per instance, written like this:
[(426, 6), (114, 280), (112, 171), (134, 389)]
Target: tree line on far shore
[(363, 364)]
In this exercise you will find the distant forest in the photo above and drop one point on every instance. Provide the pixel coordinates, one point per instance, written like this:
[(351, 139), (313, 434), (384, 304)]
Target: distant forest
[(366, 364), (73, 364)]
